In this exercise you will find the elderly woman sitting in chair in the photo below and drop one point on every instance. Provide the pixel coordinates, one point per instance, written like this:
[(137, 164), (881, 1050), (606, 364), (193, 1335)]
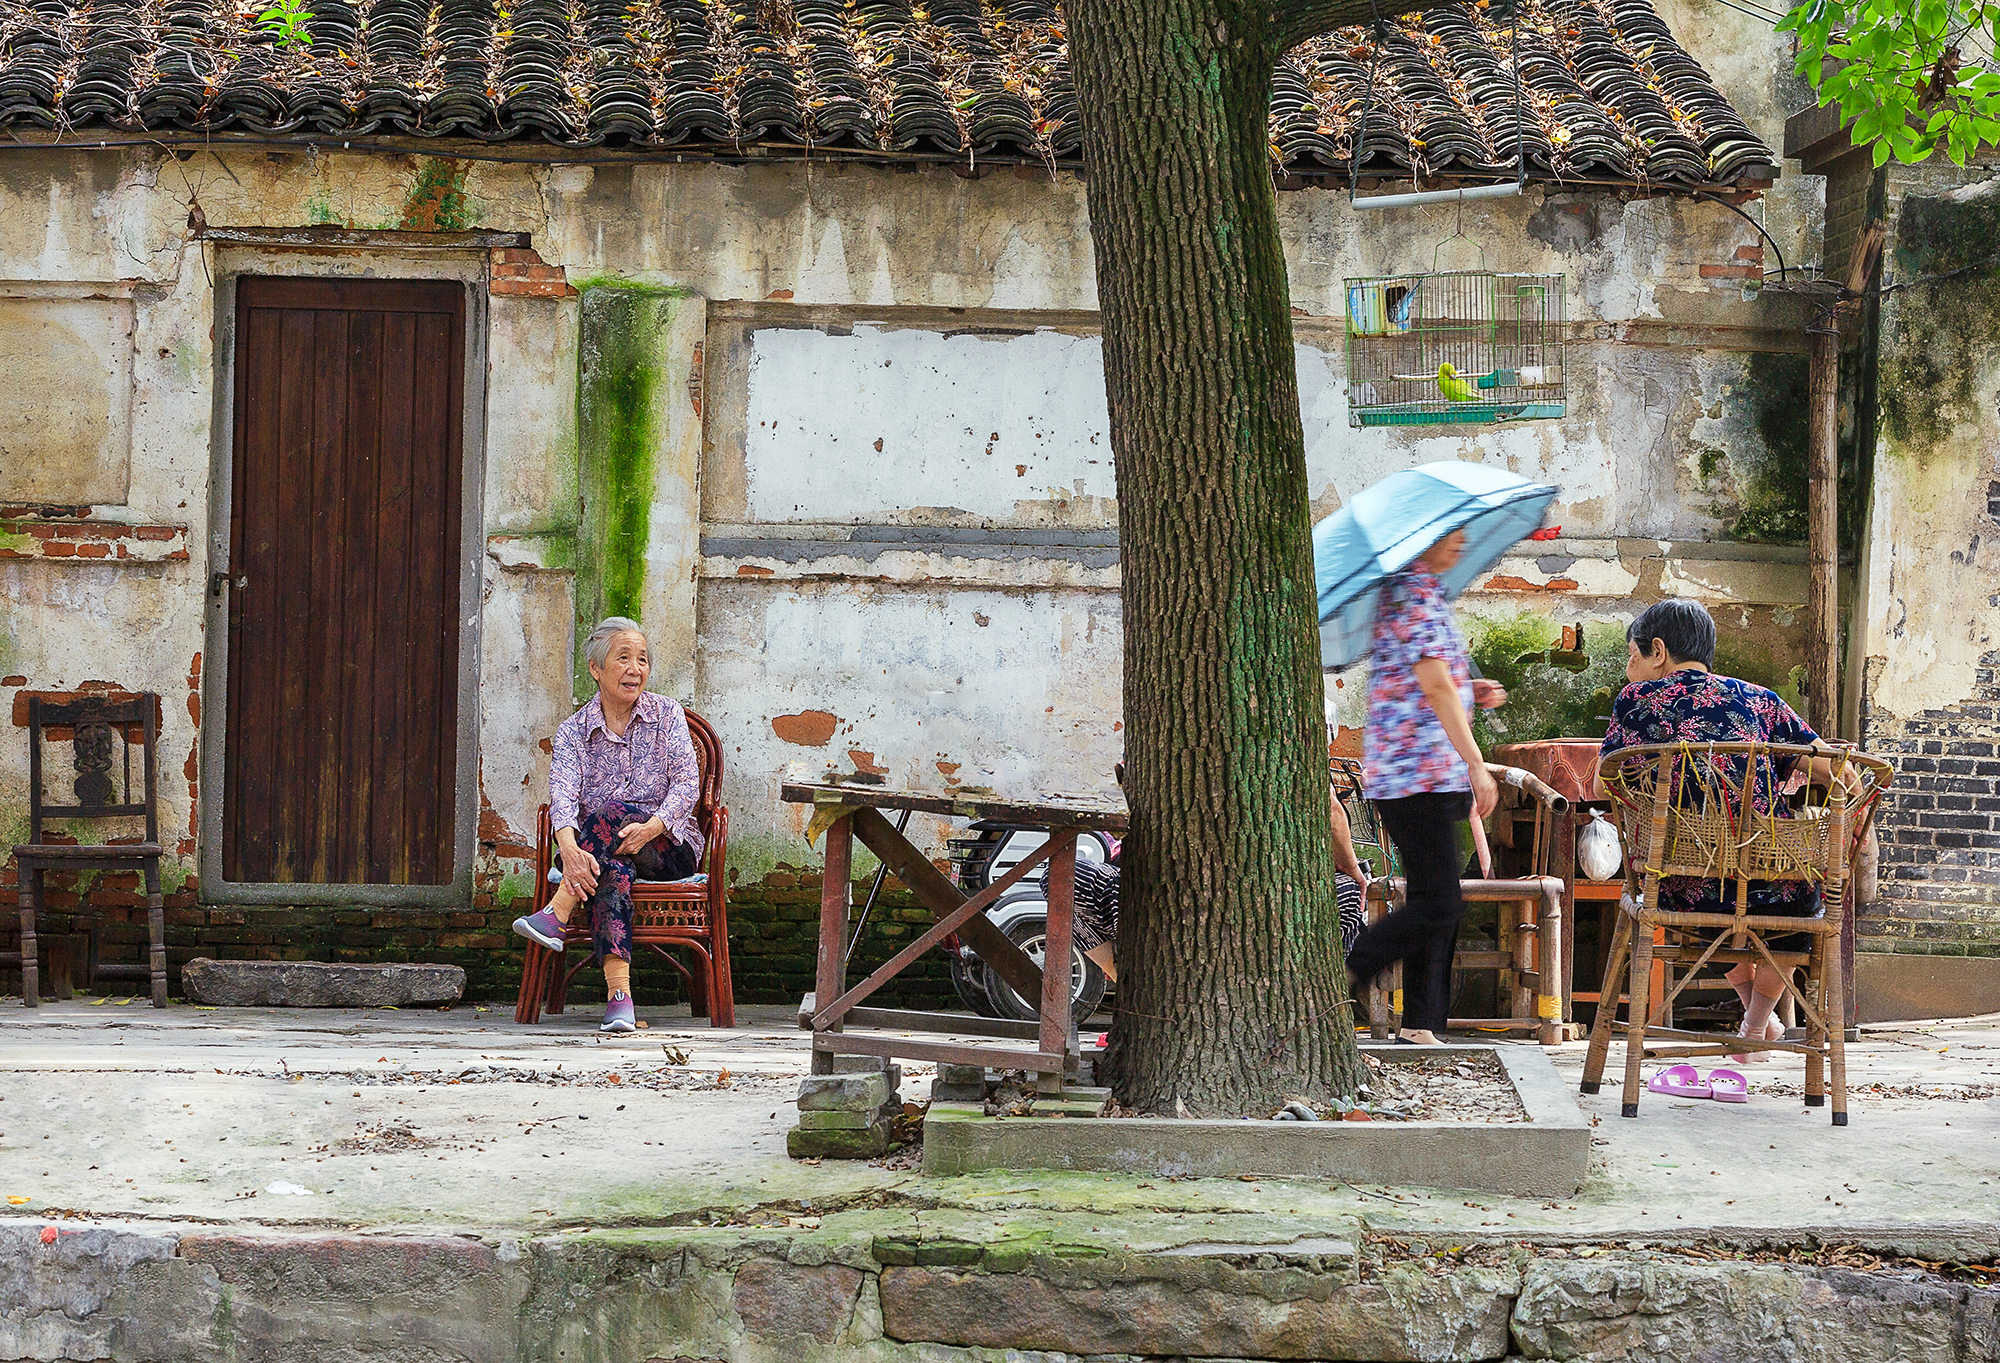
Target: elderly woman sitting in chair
[(622, 793), (1674, 697)]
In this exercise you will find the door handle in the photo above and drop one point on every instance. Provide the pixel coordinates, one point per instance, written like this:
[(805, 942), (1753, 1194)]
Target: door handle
[(217, 581)]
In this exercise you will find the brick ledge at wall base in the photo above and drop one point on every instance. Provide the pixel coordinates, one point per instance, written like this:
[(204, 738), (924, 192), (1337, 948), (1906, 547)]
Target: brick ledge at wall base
[(773, 928)]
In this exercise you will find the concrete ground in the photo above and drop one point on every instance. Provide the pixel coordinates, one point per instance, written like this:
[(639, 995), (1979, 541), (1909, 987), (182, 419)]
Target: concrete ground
[(383, 1120)]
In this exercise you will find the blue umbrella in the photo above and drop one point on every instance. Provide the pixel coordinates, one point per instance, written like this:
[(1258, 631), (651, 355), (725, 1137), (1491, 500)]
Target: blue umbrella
[(1385, 527)]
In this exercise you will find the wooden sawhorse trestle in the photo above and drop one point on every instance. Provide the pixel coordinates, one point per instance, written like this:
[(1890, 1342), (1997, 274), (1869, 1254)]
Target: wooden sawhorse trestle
[(848, 812)]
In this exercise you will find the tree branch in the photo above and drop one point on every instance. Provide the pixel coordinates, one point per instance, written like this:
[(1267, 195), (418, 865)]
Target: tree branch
[(1291, 22)]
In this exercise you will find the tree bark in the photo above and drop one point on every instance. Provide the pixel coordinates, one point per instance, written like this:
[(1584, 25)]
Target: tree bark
[(1232, 992)]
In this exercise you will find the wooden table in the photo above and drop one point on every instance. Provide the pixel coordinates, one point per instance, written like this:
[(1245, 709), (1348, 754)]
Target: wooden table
[(847, 812)]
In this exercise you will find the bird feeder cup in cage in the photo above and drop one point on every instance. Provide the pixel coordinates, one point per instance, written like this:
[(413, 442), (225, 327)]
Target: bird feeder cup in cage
[(1462, 348)]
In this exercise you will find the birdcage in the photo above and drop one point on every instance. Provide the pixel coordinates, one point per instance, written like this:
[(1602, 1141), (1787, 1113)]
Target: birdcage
[(1464, 347)]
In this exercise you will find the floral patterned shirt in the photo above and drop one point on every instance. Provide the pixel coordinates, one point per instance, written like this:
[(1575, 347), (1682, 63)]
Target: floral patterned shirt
[(1404, 747), (1692, 706), (652, 765)]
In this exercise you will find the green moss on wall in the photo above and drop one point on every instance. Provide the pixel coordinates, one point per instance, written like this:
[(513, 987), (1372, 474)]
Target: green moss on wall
[(437, 201), (1550, 693), (1772, 477), (1554, 693), (623, 362), (1754, 661), (1942, 332)]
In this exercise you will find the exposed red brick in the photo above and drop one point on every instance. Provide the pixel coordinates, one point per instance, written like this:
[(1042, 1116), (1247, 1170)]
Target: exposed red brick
[(808, 728), (779, 296), (751, 570), (1501, 583), (526, 288), (155, 532), (13, 681), (1731, 272), (514, 255), (1750, 253), (58, 549), (93, 551), (104, 689)]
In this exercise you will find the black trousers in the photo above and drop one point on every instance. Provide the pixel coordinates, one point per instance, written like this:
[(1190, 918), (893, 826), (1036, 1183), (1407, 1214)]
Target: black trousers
[(1422, 934)]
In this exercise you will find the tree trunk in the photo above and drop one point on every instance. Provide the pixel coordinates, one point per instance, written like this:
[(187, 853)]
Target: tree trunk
[(1231, 988)]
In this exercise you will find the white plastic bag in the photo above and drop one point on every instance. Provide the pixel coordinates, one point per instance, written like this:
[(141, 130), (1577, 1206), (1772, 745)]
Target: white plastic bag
[(1597, 852)]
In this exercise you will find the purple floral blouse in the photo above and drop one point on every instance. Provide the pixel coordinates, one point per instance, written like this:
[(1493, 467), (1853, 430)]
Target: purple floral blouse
[(1404, 747), (653, 766)]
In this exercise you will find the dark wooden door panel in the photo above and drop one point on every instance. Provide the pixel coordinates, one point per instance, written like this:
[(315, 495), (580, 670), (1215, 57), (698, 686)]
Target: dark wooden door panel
[(341, 749)]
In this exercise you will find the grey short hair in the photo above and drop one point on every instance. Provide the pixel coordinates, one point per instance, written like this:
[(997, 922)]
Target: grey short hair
[(598, 646), (1684, 626)]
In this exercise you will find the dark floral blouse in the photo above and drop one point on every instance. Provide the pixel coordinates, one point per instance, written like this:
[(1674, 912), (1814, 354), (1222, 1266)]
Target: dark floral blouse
[(1692, 706)]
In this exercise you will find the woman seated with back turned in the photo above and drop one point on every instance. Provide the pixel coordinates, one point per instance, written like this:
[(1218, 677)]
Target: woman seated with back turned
[(622, 791), (1675, 697)]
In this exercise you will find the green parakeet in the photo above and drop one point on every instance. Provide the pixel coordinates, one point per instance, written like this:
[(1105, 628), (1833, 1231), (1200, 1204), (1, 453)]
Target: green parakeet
[(1453, 387)]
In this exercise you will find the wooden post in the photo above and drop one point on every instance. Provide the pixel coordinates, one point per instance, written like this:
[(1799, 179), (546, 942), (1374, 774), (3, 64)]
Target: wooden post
[(830, 980), (1823, 487), (1822, 527), (1058, 1024), (1822, 531)]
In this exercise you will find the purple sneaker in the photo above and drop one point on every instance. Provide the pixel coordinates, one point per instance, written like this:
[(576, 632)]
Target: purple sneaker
[(618, 1015), (543, 928)]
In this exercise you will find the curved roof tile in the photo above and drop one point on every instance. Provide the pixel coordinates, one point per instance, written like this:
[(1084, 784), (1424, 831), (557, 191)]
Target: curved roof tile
[(1606, 91)]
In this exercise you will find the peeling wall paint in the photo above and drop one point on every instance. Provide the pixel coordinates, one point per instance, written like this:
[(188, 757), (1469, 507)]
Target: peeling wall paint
[(782, 579)]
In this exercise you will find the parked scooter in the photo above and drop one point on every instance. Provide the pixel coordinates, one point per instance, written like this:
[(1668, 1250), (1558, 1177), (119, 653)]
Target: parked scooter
[(990, 850)]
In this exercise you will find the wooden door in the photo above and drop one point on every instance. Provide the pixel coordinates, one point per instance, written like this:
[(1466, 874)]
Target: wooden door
[(340, 757)]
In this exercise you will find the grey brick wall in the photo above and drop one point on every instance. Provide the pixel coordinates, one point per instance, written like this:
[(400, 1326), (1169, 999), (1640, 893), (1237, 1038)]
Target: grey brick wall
[(1940, 828)]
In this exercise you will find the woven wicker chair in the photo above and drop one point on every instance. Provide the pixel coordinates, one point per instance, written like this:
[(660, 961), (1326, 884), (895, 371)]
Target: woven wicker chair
[(667, 915), (1718, 811)]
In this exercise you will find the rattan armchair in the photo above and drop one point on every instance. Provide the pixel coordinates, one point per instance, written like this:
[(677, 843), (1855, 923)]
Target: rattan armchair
[(1730, 814)]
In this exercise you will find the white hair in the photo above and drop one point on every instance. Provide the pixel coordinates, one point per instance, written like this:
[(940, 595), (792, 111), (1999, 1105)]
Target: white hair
[(598, 646)]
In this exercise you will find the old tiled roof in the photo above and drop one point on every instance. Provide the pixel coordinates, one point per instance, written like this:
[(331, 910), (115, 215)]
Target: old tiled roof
[(1608, 92)]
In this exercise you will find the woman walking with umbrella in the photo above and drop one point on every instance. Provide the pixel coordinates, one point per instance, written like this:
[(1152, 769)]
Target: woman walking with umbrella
[(1420, 764)]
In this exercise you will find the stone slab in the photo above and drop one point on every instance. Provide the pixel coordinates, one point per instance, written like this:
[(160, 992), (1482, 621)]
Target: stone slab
[(314, 984), (1905, 988), (1546, 1156), (834, 1121), (180, 1294), (1189, 1311), (869, 1142), (959, 1084), (843, 1092), (775, 1299)]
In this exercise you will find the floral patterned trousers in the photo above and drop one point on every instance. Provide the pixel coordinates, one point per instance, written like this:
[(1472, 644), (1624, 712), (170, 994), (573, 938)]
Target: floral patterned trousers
[(611, 905)]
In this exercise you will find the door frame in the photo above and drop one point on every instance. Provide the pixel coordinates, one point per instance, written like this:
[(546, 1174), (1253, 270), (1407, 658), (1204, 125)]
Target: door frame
[(468, 268)]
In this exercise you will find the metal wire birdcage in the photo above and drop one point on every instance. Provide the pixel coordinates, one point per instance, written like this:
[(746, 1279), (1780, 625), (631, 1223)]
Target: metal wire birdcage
[(1463, 347)]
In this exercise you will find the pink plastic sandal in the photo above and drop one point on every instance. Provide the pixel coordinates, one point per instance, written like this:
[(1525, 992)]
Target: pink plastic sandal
[(1728, 1086), (1681, 1081)]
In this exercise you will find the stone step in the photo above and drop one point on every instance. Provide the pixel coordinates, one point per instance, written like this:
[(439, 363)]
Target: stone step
[(315, 984)]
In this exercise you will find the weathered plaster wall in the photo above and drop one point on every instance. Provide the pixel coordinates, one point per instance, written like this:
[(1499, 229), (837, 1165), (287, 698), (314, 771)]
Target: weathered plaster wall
[(65, 411), (1928, 653), (953, 611)]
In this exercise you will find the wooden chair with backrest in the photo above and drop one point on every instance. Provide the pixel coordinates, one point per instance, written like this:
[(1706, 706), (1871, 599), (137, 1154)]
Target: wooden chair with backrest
[(1722, 812), (1530, 976), (99, 729), (667, 915)]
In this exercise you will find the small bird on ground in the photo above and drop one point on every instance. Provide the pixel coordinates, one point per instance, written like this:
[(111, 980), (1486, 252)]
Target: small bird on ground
[(1453, 387)]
